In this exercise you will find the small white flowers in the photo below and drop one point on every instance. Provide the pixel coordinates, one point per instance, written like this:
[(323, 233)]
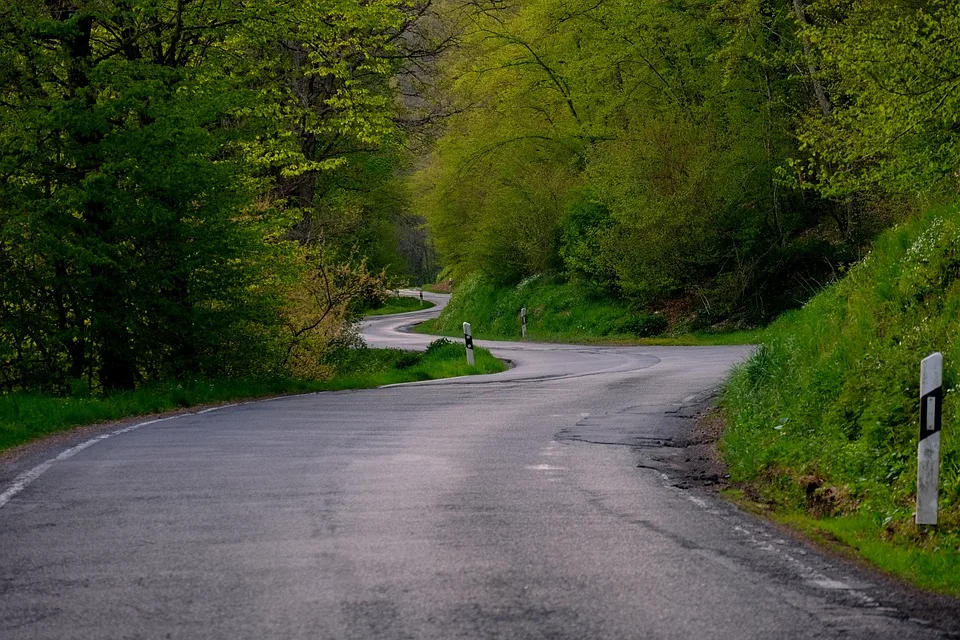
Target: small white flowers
[(929, 241)]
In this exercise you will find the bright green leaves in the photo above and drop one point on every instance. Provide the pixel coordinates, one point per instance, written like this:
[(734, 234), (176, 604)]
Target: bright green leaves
[(894, 72), (324, 68), (740, 149), (664, 113)]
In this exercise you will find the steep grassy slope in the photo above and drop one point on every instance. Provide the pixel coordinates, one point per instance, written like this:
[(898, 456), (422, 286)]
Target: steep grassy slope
[(823, 420), (559, 311)]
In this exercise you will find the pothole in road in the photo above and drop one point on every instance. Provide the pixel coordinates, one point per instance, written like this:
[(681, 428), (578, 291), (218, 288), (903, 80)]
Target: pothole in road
[(665, 438)]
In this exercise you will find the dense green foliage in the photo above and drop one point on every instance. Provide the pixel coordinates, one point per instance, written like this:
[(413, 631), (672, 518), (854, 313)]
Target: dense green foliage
[(185, 187), (554, 310), (824, 417), (559, 311), (892, 72), (730, 153), (24, 417)]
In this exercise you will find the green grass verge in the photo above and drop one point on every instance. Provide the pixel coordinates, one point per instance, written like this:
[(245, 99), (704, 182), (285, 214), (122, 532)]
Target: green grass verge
[(367, 368), (435, 328), (399, 304), (823, 419), (561, 312), (26, 417)]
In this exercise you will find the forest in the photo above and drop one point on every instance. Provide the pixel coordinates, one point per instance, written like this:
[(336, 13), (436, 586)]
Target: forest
[(725, 158), (213, 188), (194, 187)]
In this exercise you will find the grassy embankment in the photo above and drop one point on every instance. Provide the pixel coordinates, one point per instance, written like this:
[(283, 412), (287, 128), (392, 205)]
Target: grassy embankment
[(399, 304), (562, 312), (25, 417), (823, 421)]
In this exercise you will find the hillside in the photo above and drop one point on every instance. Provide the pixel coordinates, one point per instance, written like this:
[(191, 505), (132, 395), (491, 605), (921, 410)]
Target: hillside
[(823, 419), (560, 311)]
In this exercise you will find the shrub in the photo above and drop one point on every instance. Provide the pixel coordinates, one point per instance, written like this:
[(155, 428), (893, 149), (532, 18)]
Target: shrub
[(645, 325)]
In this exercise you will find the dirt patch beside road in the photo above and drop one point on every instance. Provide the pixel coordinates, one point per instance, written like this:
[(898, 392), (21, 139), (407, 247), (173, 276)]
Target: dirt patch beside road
[(692, 459)]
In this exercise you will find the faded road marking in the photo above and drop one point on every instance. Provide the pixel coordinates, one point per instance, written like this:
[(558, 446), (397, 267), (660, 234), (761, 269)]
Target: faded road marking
[(24, 480)]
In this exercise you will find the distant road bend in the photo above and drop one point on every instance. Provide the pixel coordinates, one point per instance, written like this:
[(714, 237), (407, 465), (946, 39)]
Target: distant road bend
[(538, 503)]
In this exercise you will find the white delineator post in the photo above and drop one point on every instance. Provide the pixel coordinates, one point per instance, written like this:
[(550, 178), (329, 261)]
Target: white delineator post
[(928, 448), (421, 297), (468, 340), (523, 322)]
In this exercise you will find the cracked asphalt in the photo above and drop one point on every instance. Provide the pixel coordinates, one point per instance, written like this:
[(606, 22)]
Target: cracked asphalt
[(531, 504)]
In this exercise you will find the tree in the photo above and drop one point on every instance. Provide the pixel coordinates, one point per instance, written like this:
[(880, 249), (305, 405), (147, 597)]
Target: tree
[(894, 70), (669, 123), (146, 149)]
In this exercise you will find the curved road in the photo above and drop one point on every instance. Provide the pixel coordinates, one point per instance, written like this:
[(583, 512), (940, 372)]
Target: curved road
[(538, 503)]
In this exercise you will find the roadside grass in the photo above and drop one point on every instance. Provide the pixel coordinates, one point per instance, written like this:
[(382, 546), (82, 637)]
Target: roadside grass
[(754, 336), (562, 312), (25, 417), (365, 368), (399, 304), (823, 419)]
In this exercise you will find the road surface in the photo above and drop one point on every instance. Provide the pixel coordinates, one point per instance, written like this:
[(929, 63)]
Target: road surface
[(537, 503)]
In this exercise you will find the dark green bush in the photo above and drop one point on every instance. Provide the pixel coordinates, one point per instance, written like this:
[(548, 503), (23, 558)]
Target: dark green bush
[(439, 345), (408, 359), (645, 325)]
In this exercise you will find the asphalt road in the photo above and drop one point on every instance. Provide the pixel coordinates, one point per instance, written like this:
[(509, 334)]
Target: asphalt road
[(538, 503)]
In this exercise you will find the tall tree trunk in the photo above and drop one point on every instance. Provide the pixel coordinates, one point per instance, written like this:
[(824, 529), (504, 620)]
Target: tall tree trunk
[(72, 343), (117, 370), (812, 69)]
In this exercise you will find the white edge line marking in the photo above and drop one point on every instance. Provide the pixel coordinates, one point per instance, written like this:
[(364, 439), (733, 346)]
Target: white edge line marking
[(24, 480), (805, 572), (211, 409)]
